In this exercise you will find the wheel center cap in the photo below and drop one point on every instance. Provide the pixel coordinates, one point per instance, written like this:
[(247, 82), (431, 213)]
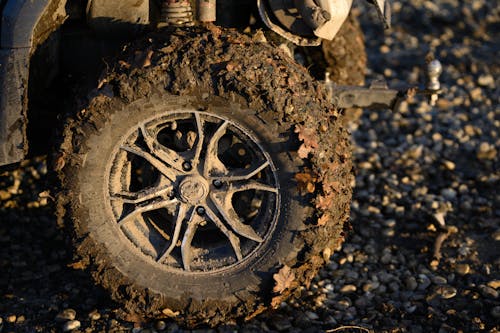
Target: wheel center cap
[(193, 189)]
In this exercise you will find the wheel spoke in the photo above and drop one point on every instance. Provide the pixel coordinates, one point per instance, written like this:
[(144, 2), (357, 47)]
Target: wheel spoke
[(165, 170), (201, 138), (245, 174), (252, 185), (165, 154), (212, 161), (186, 249), (181, 215), (141, 196), (233, 239), (147, 208), (224, 206)]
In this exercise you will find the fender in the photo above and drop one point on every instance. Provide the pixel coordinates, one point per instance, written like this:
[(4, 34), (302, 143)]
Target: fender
[(19, 20)]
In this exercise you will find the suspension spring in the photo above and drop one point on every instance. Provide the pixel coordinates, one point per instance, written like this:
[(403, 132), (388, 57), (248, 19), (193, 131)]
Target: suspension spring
[(177, 13)]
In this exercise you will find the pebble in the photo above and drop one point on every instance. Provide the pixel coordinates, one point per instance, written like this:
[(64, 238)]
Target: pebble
[(423, 282), (495, 312), (65, 315), (11, 319), (496, 235), (71, 325), (411, 283), (495, 284), (446, 292), (94, 315), (160, 325), (439, 280), (348, 288), (312, 315), (486, 80), (462, 269), (488, 292)]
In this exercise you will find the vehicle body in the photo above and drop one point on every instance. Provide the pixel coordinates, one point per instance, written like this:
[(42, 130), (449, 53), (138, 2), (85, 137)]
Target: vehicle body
[(209, 129)]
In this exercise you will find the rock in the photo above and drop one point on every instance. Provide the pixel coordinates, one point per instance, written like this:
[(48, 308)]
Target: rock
[(71, 325), (486, 151), (462, 269), (486, 80), (94, 315), (280, 323), (495, 312), (312, 315), (411, 283), (446, 292), (11, 319), (348, 288), (488, 292), (161, 325), (423, 282), (65, 315), (439, 280), (496, 235), (495, 284)]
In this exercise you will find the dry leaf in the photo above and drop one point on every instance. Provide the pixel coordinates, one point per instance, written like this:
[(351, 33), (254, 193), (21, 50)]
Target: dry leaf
[(124, 64), (77, 265), (305, 182), (304, 151), (325, 202), (284, 279), (323, 220), (276, 302), (147, 60), (331, 186), (169, 313), (307, 135)]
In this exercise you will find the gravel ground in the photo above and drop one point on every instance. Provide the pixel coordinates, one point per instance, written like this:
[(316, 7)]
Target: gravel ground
[(424, 253)]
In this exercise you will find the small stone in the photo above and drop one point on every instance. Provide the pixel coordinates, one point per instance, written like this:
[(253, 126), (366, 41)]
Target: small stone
[(495, 284), (423, 282), (486, 80), (439, 280), (161, 325), (476, 94), (312, 315), (462, 269), (496, 235), (94, 315), (65, 315), (449, 165), (449, 193), (11, 319), (486, 151), (370, 286), (343, 304), (495, 312), (411, 283), (446, 292), (71, 325), (390, 223), (348, 288), (487, 291), (280, 323)]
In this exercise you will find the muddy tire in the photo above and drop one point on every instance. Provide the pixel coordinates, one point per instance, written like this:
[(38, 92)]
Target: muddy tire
[(205, 169), (345, 55)]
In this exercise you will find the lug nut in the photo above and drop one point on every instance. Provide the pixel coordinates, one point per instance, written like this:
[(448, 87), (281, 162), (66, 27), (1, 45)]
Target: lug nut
[(217, 183), (187, 166), (200, 210)]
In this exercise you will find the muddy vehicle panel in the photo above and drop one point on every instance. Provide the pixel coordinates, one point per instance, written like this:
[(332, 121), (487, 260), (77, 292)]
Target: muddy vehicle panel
[(203, 171)]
